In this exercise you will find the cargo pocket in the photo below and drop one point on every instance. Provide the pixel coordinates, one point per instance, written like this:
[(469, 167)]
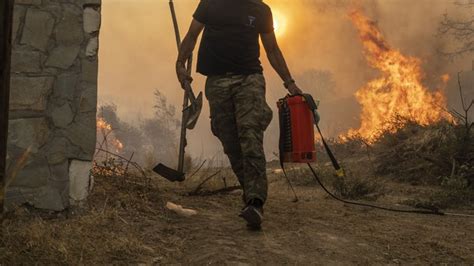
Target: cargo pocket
[(265, 113)]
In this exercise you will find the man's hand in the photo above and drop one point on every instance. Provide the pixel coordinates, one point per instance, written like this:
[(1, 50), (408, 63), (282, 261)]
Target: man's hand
[(183, 74), (293, 89), (186, 51)]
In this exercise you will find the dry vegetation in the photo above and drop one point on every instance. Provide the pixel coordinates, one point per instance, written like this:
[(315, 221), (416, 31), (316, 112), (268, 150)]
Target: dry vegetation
[(100, 232), (125, 221), (437, 160)]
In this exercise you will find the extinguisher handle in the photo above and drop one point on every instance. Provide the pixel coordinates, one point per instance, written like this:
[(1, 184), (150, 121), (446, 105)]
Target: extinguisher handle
[(317, 117), (313, 105)]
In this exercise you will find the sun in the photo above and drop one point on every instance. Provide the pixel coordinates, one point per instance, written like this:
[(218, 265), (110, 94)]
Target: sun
[(279, 23)]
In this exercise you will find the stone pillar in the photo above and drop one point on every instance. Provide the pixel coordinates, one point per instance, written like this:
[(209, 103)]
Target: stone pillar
[(53, 100)]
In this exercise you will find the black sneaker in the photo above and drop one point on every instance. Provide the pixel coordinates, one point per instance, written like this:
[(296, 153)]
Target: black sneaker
[(253, 214)]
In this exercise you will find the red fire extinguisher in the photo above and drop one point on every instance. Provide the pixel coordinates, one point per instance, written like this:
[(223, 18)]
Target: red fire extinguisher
[(298, 116)]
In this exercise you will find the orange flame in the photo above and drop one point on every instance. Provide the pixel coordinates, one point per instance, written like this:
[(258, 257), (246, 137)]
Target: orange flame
[(399, 91), (106, 130), (103, 125)]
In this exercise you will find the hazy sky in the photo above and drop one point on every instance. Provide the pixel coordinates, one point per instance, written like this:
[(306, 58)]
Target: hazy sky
[(138, 51)]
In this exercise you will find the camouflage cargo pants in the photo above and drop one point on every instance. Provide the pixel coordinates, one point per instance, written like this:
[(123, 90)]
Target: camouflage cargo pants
[(239, 117)]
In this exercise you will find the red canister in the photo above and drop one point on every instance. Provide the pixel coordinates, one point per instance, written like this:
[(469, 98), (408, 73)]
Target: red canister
[(297, 143)]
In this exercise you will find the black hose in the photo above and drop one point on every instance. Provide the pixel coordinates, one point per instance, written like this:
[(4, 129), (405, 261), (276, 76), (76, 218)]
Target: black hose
[(432, 212)]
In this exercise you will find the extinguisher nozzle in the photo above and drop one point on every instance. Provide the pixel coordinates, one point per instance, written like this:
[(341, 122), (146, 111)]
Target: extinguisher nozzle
[(340, 172)]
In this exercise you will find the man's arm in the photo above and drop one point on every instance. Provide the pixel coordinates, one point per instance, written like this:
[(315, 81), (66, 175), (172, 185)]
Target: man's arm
[(275, 56), (186, 49)]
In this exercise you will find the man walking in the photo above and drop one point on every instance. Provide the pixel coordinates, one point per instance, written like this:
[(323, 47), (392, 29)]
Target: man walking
[(235, 88)]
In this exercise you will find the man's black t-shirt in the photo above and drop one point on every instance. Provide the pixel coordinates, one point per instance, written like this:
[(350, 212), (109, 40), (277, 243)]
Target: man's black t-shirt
[(230, 43)]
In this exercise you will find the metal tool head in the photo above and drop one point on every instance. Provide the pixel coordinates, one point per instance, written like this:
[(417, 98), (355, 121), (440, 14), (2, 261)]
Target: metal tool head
[(193, 111), (169, 173)]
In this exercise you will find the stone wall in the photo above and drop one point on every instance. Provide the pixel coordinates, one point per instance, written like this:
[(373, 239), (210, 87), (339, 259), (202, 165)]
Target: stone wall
[(52, 133)]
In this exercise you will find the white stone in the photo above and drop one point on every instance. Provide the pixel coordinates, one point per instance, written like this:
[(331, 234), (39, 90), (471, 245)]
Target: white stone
[(91, 20), (79, 180)]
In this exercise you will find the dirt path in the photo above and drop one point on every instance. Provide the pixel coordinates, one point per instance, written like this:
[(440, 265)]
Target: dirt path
[(316, 230), (125, 222)]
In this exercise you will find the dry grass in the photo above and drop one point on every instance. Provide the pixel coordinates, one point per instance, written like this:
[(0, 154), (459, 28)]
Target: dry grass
[(102, 232), (357, 188), (437, 158)]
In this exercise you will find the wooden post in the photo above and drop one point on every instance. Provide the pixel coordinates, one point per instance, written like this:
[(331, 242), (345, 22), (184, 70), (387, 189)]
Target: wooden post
[(6, 17)]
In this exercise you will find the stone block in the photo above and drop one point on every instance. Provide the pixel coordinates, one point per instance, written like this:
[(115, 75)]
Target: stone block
[(33, 175), (26, 62), (18, 15), (93, 2), (59, 173), (37, 29), (59, 179), (92, 47), (62, 115), (45, 197), (91, 20), (88, 99), (16, 196), (27, 133), (69, 30), (79, 180), (56, 150), (65, 86), (82, 133), (90, 71), (63, 56), (28, 2), (30, 93), (49, 198)]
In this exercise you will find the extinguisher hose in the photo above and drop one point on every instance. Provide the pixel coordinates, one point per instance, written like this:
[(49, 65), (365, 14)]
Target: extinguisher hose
[(340, 172), (335, 163), (433, 211)]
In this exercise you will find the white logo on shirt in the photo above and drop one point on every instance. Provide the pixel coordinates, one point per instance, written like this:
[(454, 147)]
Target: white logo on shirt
[(251, 21)]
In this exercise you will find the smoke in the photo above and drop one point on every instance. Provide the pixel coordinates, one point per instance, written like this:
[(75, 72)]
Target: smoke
[(321, 46)]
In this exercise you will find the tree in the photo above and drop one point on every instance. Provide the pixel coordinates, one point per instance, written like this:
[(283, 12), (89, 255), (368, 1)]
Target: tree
[(460, 30), (151, 139), (161, 130)]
